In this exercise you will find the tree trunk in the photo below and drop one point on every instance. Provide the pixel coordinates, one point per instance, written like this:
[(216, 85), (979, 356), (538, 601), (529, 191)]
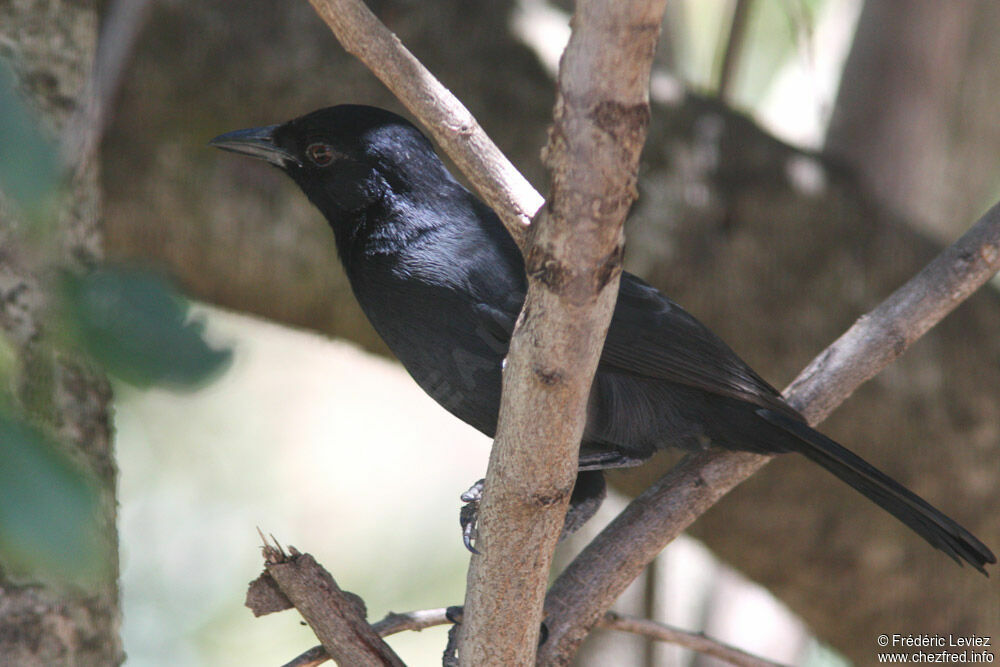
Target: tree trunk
[(915, 114), (51, 46)]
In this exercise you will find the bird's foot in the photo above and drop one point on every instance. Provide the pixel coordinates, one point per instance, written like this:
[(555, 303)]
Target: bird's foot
[(469, 514), (587, 496), (454, 615)]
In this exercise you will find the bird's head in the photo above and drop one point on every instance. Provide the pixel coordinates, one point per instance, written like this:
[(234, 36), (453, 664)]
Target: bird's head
[(347, 158)]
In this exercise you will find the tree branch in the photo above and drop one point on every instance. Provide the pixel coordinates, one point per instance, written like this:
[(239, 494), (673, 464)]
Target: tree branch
[(392, 623), (732, 49), (880, 337), (496, 180), (337, 617), (315, 656), (595, 579), (411, 620), (573, 262), (695, 641)]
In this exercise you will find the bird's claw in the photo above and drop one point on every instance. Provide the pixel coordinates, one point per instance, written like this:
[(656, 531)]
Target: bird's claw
[(454, 615), (469, 514)]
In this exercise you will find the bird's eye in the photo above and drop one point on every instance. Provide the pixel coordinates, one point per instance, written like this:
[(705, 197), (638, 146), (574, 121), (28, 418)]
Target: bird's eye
[(320, 154)]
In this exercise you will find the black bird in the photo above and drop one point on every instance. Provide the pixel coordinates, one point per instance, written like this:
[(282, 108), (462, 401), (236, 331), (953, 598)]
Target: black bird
[(442, 282)]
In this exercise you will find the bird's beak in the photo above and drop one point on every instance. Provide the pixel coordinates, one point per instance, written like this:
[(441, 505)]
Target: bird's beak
[(256, 142)]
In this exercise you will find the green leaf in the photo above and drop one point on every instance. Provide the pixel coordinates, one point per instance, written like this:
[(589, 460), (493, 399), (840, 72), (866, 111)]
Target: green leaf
[(137, 327), (49, 520), (30, 169)]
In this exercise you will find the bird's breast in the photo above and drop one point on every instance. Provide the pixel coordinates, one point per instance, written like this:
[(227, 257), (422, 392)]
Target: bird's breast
[(436, 334)]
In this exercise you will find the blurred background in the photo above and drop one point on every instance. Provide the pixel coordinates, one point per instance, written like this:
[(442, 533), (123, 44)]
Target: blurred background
[(805, 158)]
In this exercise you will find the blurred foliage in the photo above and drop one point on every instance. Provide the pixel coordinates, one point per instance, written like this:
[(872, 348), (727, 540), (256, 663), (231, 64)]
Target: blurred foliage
[(49, 519), (29, 163), (132, 323)]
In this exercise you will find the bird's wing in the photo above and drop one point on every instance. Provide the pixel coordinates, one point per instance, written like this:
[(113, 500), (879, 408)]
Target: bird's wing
[(653, 337), (494, 325)]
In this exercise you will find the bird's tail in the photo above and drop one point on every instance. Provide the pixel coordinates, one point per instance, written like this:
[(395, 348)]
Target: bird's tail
[(912, 510)]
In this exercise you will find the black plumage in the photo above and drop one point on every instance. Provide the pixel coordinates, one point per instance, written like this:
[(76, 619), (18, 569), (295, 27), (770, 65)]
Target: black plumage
[(442, 282)]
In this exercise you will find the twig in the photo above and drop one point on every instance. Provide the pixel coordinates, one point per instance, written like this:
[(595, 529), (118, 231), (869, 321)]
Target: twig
[(390, 625), (880, 337), (411, 620), (317, 655), (695, 641), (733, 48), (337, 618), (651, 584), (595, 579), (496, 180)]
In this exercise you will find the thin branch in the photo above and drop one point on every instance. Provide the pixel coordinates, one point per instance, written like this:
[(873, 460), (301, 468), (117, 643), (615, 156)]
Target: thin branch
[(880, 337), (315, 656), (393, 623), (651, 584), (733, 48), (496, 180), (411, 620), (595, 579), (337, 617), (695, 641), (573, 262)]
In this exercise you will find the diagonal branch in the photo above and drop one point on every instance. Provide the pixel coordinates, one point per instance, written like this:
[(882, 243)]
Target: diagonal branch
[(393, 623), (595, 579), (337, 617), (496, 180), (694, 641), (880, 337)]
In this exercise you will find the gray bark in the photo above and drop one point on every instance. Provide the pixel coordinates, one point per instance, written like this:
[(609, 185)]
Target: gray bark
[(51, 45)]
